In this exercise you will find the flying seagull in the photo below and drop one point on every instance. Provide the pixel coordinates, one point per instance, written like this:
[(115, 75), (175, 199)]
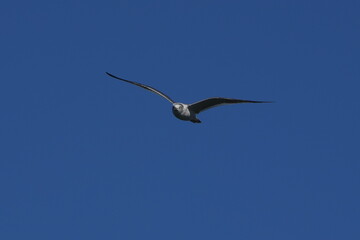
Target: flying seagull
[(188, 112)]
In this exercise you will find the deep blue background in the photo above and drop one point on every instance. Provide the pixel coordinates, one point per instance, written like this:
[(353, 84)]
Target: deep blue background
[(84, 156)]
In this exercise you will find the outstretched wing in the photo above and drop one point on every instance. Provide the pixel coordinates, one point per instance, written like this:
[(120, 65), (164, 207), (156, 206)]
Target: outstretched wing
[(144, 86), (217, 101)]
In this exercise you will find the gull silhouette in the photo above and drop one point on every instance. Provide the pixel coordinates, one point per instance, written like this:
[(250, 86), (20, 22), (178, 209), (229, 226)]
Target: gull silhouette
[(188, 112)]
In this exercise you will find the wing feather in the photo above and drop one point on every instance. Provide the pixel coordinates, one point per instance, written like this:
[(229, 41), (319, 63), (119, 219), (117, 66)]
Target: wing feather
[(217, 101), (144, 86)]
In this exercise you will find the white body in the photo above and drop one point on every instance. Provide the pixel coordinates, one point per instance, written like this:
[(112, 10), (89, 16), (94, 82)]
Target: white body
[(182, 111)]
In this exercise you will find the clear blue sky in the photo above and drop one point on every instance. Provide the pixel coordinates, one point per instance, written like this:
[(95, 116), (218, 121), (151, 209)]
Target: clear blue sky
[(84, 156)]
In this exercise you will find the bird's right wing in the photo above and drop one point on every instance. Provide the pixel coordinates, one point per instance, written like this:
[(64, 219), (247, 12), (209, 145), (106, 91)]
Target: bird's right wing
[(144, 86), (217, 101)]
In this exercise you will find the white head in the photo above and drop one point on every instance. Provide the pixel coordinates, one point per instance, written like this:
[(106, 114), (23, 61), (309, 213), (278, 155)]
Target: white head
[(181, 111), (178, 107)]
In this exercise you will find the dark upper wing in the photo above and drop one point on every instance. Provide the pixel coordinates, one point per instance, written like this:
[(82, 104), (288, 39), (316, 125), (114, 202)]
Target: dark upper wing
[(143, 86), (217, 101)]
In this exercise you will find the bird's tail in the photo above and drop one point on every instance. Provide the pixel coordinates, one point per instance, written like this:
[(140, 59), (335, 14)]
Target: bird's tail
[(195, 120)]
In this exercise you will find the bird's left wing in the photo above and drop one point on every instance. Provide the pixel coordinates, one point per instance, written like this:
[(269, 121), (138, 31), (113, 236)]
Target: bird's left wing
[(217, 101), (144, 86)]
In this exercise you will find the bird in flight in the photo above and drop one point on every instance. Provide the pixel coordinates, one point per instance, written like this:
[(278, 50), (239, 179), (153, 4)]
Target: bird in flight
[(188, 112)]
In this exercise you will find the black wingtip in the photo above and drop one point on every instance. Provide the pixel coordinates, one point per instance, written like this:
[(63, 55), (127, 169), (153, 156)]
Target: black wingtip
[(250, 101), (115, 76), (109, 74)]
